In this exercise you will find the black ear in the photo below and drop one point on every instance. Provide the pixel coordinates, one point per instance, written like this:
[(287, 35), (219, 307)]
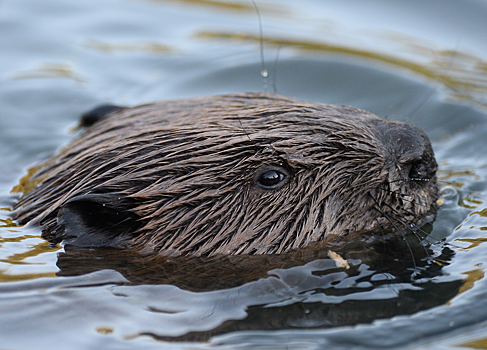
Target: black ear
[(95, 220), (97, 114)]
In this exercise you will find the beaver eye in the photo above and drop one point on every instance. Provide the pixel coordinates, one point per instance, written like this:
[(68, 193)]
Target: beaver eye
[(271, 178)]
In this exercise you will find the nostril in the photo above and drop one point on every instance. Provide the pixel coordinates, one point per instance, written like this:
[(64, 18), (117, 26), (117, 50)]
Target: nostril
[(417, 170)]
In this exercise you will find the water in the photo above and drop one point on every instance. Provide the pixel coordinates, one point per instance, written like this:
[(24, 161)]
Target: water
[(421, 62)]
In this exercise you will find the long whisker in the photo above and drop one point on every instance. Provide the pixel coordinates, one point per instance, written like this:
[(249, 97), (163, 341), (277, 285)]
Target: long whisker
[(263, 71), (401, 233), (274, 74), (421, 103), (243, 129), (415, 228), (416, 216), (378, 208), (410, 226)]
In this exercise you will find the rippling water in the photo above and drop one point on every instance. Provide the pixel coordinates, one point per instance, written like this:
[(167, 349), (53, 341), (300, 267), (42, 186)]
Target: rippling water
[(424, 62)]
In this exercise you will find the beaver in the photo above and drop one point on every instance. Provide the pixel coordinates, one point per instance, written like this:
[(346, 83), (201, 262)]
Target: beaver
[(244, 173)]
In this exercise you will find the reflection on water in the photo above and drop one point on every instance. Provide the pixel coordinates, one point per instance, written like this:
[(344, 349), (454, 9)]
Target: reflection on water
[(464, 75), (221, 5), (300, 290), (220, 272), (155, 48), (24, 256), (49, 70)]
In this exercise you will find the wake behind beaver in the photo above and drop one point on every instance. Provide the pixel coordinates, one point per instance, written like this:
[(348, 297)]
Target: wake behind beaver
[(248, 173)]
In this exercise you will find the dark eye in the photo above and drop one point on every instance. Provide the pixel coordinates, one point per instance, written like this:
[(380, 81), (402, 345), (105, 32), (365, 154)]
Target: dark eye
[(271, 178)]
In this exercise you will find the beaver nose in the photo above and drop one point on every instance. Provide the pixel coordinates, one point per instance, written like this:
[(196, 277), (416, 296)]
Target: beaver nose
[(408, 150)]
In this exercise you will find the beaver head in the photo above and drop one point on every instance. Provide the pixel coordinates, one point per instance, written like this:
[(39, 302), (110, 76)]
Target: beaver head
[(252, 173)]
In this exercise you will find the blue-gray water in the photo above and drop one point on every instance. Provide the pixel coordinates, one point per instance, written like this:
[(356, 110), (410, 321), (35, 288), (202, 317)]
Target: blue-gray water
[(424, 62)]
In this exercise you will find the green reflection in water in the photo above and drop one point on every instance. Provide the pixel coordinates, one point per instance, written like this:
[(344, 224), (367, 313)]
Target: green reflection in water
[(446, 174), (464, 75), (16, 239), (477, 344), (28, 182), (13, 278), (472, 277), (19, 259), (104, 330), (33, 250), (147, 47), (482, 213), (50, 70), (223, 5), (470, 203), (474, 242), (7, 223)]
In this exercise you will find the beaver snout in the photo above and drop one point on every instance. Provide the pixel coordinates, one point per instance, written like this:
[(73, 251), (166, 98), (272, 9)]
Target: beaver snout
[(408, 150)]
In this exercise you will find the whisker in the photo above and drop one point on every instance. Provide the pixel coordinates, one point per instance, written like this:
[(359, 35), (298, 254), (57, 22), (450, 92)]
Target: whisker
[(403, 197), (274, 74), (414, 228), (243, 129), (409, 225), (379, 209), (263, 71), (401, 233), (119, 223), (421, 103), (409, 179)]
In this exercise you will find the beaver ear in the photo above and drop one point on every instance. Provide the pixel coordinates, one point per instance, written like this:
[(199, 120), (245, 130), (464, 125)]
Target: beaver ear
[(94, 220), (97, 114)]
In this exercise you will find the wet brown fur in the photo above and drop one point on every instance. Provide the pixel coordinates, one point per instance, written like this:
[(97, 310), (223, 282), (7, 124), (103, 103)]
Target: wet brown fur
[(182, 175)]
